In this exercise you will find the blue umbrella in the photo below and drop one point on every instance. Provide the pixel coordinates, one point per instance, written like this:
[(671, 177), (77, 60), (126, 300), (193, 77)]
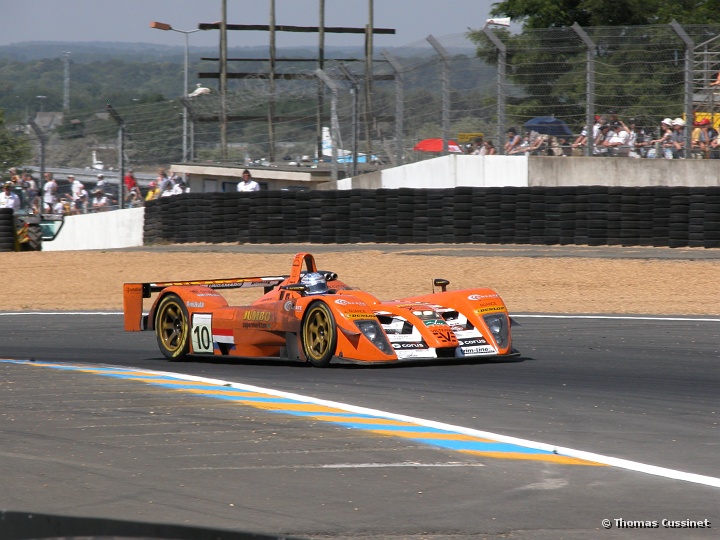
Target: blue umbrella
[(548, 125)]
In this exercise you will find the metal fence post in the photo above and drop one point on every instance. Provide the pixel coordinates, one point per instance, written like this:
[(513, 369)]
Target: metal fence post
[(590, 87), (121, 154), (334, 125), (689, 117), (445, 91), (501, 74), (399, 112)]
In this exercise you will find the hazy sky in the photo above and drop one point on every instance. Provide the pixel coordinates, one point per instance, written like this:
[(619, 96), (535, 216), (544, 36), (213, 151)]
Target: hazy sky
[(129, 20)]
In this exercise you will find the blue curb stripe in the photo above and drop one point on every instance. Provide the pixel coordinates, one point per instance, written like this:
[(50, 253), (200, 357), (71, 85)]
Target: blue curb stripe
[(477, 446), (326, 414)]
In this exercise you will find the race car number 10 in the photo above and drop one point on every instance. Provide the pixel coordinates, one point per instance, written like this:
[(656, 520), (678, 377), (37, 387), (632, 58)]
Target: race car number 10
[(202, 333)]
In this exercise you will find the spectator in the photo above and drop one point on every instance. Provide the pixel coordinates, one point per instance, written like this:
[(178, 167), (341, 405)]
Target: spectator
[(100, 181), (154, 191), (79, 196), (582, 140), (130, 182), (247, 183), (538, 146), (617, 144), (75, 187), (61, 206), (490, 149), (714, 138), (703, 136), (49, 193), (180, 188), (9, 199), (162, 181), (29, 187), (636, 140), (480, 148), (99, 201), (659, 143), (601, 141), (14, 176), (676, 144), (513, 141)]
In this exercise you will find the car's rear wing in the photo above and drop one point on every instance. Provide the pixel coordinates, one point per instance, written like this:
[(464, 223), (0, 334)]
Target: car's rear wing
[(134, 293)]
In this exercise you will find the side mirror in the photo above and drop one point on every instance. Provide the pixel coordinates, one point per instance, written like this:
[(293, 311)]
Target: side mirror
[(297, 287), (442, 283)]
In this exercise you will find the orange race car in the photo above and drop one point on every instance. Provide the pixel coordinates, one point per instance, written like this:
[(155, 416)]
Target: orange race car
[(314, 317)]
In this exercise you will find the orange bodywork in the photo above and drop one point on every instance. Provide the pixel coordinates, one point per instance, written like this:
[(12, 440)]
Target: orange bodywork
[(358, 326)]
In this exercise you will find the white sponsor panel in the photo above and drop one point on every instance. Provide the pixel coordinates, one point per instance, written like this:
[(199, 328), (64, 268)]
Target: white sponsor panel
[(398, 338), (395, 325), (416, 353), (201, 333), (482, 349), (467, 334)]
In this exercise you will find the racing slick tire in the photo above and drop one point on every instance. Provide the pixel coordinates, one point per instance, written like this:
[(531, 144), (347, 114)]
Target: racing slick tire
[(34, 238), (319, 334), (172, 328)]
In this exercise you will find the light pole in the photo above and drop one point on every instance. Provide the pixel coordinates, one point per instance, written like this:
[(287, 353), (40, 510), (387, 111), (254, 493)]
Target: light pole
[(164, 26)]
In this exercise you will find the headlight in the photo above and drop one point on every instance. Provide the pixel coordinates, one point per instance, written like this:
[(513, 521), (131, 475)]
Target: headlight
[(497, 323), (371, 330)]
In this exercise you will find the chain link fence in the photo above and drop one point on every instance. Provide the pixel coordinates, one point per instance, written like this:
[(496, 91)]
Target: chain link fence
[(453, 88)]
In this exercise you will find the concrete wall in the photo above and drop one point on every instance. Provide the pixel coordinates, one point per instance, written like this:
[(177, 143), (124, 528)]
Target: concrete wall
[(445, 172), (103, 230), (599, 171), (522, 171)]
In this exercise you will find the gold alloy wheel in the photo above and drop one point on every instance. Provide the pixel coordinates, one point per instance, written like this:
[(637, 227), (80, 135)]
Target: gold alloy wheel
[(318, 334), (172, 328)]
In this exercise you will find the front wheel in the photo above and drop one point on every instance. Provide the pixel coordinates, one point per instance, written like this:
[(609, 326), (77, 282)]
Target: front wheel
[(172, 327), (319, 334)]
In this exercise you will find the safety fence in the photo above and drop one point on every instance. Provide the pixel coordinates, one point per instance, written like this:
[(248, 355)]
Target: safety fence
[(581, 215)]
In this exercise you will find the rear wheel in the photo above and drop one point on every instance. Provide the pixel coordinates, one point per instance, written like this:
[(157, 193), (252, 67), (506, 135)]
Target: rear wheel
[(319, 334), (34, 238), (172, 328)]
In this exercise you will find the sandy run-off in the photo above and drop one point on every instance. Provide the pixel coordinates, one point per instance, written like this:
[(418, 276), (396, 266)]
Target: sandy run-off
[(93, 280)]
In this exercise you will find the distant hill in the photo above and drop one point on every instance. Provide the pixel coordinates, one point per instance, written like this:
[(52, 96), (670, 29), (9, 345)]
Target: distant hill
[(100, 51)]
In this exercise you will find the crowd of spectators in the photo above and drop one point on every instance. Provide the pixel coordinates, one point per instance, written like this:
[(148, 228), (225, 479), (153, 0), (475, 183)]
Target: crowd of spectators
[(613, 137), (70, 196)]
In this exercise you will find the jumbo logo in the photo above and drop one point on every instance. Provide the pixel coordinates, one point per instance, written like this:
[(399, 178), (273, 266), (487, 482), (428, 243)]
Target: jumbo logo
[(256, 316)]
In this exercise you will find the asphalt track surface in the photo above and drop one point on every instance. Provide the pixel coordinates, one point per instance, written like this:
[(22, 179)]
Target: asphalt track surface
[(644, 390)]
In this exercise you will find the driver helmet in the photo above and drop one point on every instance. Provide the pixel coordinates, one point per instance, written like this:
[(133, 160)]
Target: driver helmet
[(315, 283)]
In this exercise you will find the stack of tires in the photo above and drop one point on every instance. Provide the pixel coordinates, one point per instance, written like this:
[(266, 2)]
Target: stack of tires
[(7, 230)]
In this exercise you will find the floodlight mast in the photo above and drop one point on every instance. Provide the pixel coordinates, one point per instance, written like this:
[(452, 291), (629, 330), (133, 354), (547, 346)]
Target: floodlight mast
[(164, 26)]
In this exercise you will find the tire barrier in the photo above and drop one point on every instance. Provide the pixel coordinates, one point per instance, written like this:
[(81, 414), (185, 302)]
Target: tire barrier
[(582, 215), (7, 230)]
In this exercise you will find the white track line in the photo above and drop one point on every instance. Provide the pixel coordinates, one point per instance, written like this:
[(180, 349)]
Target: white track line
[(563, 451)]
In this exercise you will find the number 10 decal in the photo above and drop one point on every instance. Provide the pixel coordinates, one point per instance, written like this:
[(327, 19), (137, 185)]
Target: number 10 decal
[(202, 341)]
